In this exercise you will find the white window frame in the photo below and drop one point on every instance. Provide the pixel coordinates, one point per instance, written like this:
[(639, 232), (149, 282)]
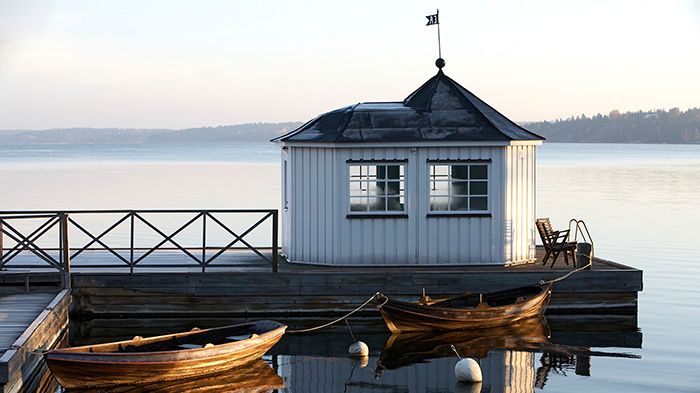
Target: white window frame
[(403, 164), (466, 162)]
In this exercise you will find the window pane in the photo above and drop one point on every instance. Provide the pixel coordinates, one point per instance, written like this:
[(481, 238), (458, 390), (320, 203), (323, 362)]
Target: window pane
[(478, 203), (371, 172), (478, 172), (478, 188), (393, 171), (459, 188), (440, 171), (438, 187), (438, 203), (460, 171), (355, 171), (356, 189), (459, 203), (381, 172), (358, 204), (377, 204), (373, 189), (393, 188), (381, 188), (394, 204)]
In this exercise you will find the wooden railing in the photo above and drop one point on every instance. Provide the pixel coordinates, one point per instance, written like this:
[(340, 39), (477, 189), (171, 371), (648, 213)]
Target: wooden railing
[(40, 242)]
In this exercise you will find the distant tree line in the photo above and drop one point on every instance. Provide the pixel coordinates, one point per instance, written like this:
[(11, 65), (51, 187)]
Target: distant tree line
[(249, 132), (672, 126)]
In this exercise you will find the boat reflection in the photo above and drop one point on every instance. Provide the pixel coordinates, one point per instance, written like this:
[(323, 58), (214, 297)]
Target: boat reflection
[(405, 349), (254, 377)]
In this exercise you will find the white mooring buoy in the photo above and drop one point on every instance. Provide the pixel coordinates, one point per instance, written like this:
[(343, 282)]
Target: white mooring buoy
[(358, 349), (468, 370)]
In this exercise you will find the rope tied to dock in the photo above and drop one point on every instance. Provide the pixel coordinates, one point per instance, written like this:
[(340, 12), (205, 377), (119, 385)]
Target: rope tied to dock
[(336, 320), (37, 351), (567, 275)]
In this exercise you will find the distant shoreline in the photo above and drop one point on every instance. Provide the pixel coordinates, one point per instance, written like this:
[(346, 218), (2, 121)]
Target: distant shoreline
[(673, 127)]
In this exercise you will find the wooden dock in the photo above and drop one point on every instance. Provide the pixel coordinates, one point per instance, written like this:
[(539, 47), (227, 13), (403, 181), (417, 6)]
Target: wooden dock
[(171, 285), (29, 321), (297, 290)]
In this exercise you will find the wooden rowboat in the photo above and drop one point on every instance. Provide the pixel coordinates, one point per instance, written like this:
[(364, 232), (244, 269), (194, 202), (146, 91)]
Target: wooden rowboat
[(469, 310), (163, 358)]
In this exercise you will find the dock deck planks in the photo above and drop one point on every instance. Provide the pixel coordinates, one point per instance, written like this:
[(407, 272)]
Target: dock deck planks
[(17, 312)]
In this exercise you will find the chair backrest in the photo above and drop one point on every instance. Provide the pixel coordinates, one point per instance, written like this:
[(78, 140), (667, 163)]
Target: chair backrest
[(544, 227)]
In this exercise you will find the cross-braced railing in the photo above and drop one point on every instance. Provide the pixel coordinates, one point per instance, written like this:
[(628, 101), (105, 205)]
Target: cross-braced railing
[(121, 245)]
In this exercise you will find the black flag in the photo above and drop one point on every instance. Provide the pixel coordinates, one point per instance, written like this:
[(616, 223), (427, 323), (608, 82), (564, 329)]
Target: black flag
[(432, 20)]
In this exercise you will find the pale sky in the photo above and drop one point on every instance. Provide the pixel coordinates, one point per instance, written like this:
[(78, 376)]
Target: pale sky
[(177, 64)]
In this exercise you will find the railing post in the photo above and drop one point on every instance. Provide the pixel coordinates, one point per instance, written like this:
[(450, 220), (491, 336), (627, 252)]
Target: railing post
[(65, 249), (204, 240), (275, 251), (131, 245), (2, 252)]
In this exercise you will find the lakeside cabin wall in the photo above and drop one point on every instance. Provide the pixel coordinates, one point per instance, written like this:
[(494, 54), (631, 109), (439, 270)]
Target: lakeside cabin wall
[(315, 204)]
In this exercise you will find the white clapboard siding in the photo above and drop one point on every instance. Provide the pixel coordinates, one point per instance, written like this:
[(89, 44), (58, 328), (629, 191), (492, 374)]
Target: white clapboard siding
[(315, 228), (520, 203)]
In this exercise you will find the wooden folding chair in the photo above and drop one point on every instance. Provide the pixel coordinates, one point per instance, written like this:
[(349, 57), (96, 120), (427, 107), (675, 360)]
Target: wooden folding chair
[(555, 242)]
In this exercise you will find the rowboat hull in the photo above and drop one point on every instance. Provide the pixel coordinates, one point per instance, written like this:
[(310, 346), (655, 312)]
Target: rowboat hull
[(105, 365), (447, 314)]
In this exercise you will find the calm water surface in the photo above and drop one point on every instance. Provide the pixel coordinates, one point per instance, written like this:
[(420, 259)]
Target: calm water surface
[(641, 202)]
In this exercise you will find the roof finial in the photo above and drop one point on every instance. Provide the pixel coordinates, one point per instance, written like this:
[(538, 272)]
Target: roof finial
[(440, 62)]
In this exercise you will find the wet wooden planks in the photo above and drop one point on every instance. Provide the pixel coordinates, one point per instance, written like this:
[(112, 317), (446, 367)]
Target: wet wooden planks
[(17, 312), (38, 320)]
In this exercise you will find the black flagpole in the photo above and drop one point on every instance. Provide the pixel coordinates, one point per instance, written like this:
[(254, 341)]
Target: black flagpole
[(439, 46)]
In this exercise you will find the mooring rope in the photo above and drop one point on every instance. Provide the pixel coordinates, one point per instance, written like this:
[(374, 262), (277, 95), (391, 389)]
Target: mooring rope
[(23, 348), (564, 277), (335, 320)]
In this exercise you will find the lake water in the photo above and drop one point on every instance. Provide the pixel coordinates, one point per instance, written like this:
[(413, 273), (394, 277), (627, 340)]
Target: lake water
[(641, 202)]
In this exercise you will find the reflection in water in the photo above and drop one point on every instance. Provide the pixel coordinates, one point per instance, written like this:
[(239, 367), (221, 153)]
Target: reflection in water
[(518, 358), (254, 377), (410, 348)]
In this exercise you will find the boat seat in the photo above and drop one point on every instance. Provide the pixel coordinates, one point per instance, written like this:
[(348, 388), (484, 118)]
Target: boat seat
[(189, 346), (241, 337)]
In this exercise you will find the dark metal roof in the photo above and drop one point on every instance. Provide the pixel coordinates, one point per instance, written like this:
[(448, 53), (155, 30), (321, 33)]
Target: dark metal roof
[(440, 110)]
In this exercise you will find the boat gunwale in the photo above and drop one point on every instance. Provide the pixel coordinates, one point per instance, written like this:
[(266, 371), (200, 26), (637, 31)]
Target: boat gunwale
[(544, 290)]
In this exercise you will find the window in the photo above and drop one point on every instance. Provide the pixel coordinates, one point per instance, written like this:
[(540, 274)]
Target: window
[(458, 187), (376, 187)]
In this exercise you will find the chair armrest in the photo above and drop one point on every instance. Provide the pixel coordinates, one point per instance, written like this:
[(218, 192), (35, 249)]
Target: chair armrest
[(556, 235)]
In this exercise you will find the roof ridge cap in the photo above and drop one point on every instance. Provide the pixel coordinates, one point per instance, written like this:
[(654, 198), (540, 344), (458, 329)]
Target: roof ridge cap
[(345, 124)]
